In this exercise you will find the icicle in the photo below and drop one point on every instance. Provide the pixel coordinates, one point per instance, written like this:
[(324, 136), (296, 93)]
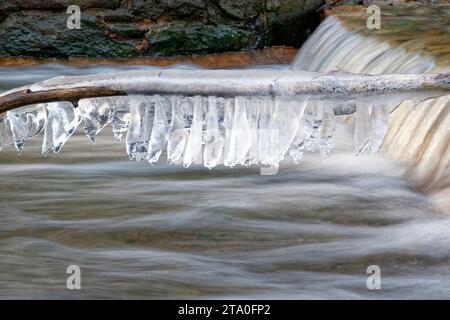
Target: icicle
[(161, 126), (187, 111), (141, 121), (253, 117), (380, 122), (327, 130), (312, 125), (120, 117), (298, 142), (96, 114), (19, 128), (6, 137), (26, 123), (213, 152), (283, 128), (221, 105), (62, 121), (264, 130), (177, 135), (240, 133), (363, 127), (227, 129), (193, 153)]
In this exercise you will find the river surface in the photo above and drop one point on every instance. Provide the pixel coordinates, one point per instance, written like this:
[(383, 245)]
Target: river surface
[(141, 231)]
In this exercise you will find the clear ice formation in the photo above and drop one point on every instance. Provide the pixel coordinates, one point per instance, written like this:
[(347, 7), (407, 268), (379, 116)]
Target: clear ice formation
[(62, 121), (24, 123), (198, 130)]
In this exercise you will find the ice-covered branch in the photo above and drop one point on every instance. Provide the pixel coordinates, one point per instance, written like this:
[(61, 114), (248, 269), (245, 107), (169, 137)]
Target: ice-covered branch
[(241, 117), (228, 83)]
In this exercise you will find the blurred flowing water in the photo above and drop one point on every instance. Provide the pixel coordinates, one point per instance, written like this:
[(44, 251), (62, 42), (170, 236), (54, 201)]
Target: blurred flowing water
[(141, 231)]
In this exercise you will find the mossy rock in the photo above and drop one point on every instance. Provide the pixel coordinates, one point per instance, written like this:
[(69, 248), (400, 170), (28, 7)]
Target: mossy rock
[(181, 39), (118, 28), (17, 5), (172, 9), (48, 36), (242, 9), (129, 30)]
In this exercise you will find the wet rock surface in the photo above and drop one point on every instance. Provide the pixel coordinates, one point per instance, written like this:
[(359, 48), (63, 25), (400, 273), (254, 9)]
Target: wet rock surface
[(135, 28)]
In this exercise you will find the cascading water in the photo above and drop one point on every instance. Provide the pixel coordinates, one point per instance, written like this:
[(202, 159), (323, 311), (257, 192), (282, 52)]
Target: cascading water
[(418, 134), (334, 47)]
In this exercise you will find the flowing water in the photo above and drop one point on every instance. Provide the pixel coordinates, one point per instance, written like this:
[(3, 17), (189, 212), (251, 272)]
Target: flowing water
[(418, 136), (141, 231)]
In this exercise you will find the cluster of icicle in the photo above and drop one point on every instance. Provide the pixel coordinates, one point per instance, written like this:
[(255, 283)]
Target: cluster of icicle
[(194, 130)]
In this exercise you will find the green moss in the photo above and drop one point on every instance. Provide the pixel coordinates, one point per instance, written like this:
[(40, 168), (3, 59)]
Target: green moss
[(183, 39)]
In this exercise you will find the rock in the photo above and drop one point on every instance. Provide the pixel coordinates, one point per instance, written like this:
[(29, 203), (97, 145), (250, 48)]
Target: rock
[(46, 35), (119, 28), (113, 15), (18, 5), (174, 9), (185, 38), (128, 30), (242, 9)]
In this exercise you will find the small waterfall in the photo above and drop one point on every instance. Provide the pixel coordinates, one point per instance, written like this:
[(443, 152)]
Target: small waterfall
[(418, 135), (333, 47)]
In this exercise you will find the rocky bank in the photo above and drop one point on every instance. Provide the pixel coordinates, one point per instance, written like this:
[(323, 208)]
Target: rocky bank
[(139, 28)]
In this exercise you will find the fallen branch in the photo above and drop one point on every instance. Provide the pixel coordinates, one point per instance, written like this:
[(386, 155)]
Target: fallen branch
[(27, 97)]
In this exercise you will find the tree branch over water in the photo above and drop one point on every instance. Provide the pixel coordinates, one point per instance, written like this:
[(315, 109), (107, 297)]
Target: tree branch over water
[(335, 86)]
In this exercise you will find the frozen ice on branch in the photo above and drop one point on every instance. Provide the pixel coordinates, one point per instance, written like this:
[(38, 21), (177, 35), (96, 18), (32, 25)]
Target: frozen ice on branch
[(240, 117)]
